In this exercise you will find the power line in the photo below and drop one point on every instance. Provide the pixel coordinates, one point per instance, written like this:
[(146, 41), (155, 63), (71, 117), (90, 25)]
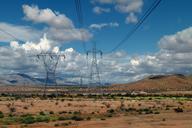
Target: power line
[(80, 19), (11, 35), (94, 68), (79, 11), (140, 22)]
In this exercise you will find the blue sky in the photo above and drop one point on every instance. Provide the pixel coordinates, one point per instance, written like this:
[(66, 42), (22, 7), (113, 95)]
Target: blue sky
[(160, 46), (168, 18)]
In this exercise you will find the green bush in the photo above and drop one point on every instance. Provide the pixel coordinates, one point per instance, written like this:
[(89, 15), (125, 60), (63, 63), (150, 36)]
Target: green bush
[(28, 120), (145, 111), (1, 115), (10, 120), (42, 119), (77, 112)]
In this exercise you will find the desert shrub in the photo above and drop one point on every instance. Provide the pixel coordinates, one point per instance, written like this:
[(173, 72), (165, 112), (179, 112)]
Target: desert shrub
[(56, 103), (42, 119), (181, 103), (178, 109), (88, 118), (62, 112), (18, 97), (76, 118), (63, 118), (76, 112), (157, 112), (12, 109), (167, 108), (1, 114), (56, 125), (111, 111), (80, 95), (69, 104), (108, 105), (109, 115), (10, 115), (145, 111), (22, 99), (25, 107), (51, 112), (10, 120), (8, 105), (28, 120), (42, 113), (32, 104), (103, 119), (130, 110)]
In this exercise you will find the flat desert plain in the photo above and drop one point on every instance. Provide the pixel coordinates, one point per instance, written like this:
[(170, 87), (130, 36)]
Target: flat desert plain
[(96, 112)]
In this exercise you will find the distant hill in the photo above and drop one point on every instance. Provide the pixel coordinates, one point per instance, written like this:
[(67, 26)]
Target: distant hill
[(18, 79), (158, 83)]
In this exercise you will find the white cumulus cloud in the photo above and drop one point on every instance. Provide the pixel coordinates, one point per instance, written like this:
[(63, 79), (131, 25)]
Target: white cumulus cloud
[(130, 7), (103, 25), (58, 27), (47, 16), (61, 28), (179, 42), (100, 10), (131, 18), (24, 33)]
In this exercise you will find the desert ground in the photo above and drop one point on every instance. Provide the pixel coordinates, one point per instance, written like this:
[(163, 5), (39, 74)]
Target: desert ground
[(96, 111)]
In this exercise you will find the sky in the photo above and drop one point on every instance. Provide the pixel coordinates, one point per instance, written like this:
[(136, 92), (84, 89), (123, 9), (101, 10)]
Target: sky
[(162, 45)]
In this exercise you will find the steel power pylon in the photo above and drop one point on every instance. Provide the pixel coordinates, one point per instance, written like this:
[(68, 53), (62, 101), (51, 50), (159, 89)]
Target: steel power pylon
[(94, 69), (50, 61)]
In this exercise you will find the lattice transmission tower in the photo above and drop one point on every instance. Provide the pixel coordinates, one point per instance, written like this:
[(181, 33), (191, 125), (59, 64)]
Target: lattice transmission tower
[(50, 61), (94, 78)]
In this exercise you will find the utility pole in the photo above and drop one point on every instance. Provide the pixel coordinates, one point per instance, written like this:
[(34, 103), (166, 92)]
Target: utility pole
[(94, 69), (50, 61)]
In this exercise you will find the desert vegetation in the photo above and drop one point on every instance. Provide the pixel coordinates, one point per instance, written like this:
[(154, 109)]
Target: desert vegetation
[(79, 109)]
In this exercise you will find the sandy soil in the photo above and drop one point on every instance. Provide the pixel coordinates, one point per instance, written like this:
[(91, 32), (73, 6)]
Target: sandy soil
[(166, 118)]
